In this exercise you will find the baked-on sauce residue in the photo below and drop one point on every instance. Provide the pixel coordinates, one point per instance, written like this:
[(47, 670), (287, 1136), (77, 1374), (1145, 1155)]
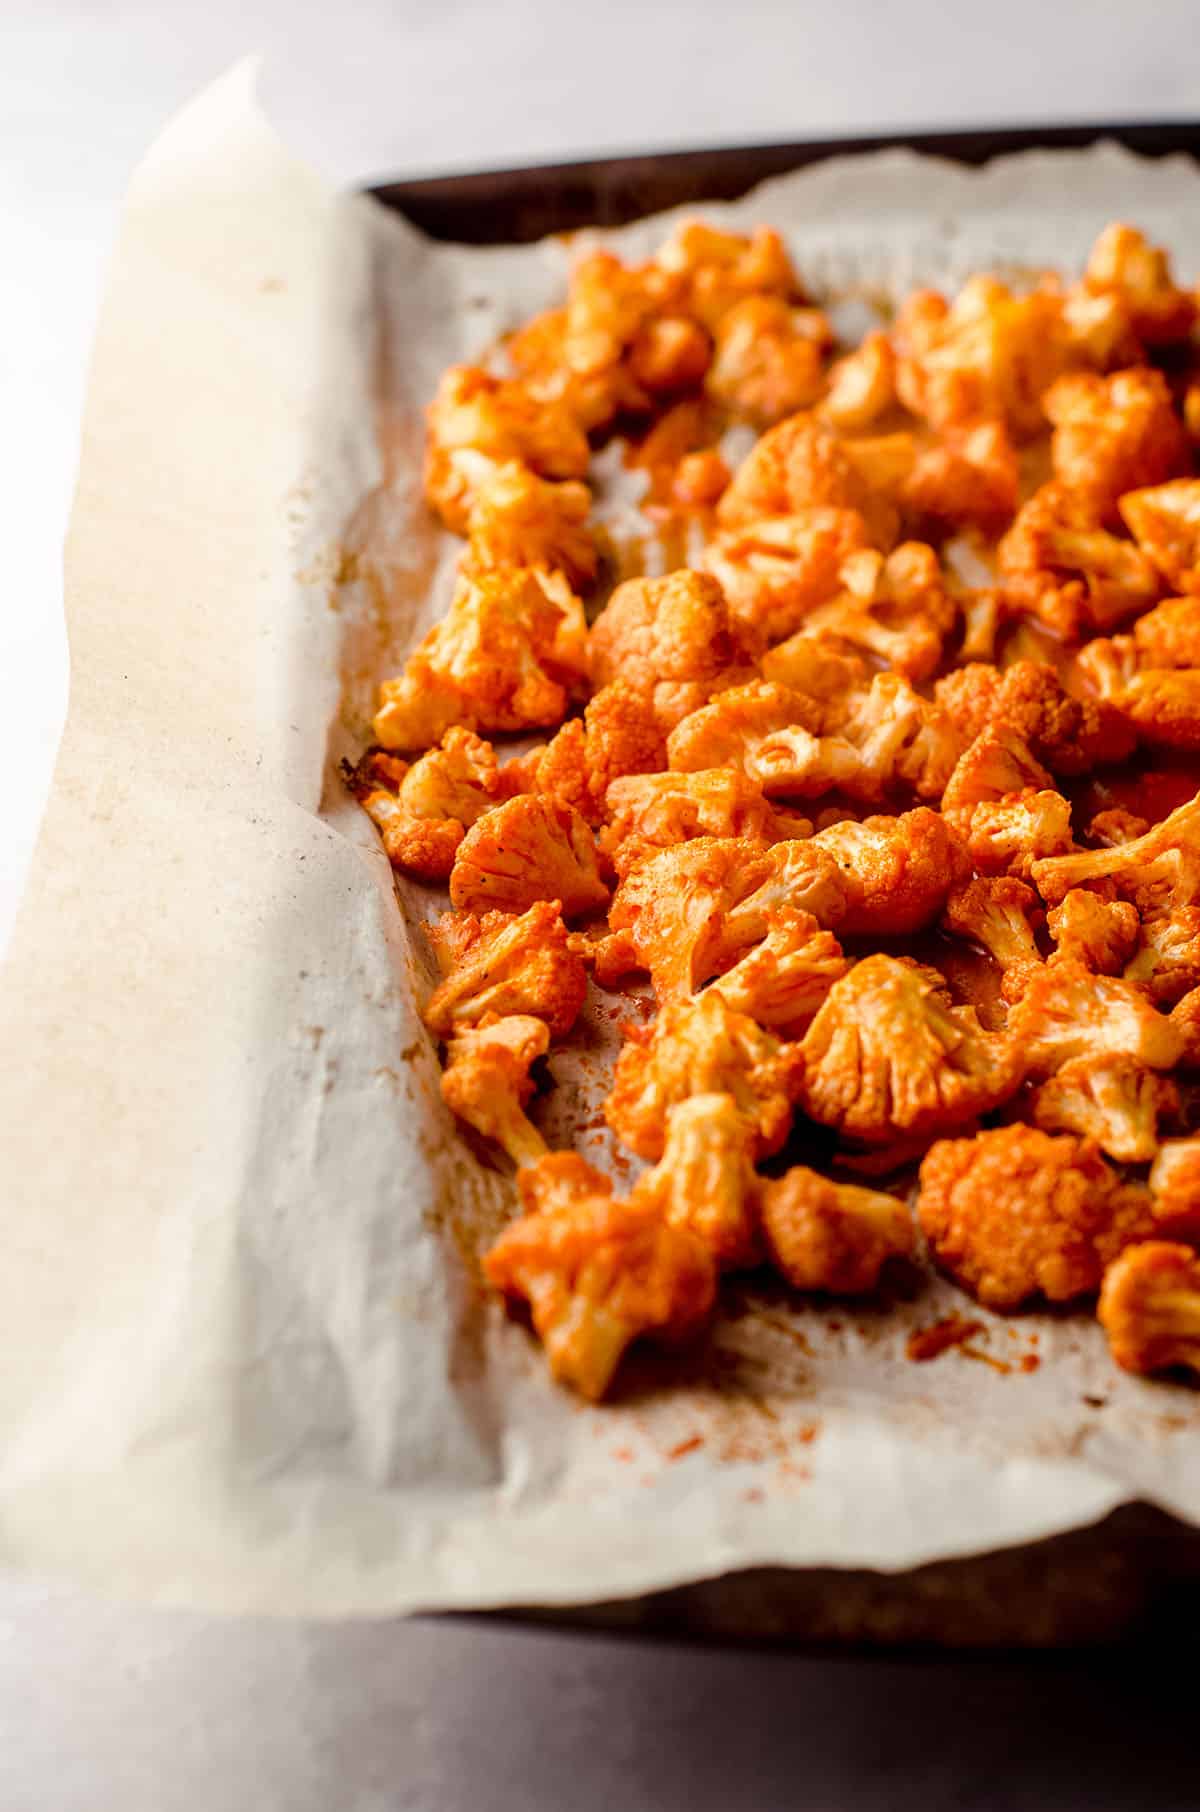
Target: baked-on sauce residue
[(931, 1342)]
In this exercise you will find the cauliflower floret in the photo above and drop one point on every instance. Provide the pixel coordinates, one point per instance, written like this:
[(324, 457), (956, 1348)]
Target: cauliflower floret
[(768, 359), (1115, 827), (1123, 264), (862, 386), (1003, 802), (486, 1081), (887, 1054), (1067, 735), (1164, 520), (1088, 930), (720, 269), (1112, 435), (598, 1272), (435, 801), (699, 479), (500, 965), (783, 980), (618, 735), (650, 812), (800, 464), (969, 476), (519, 519), (985, 612), (827, 676), (702, 1046), (895, 608), (897, 871), (833, 1237), (1169, 635), (1160, 705), (537, 352), (673, 640), (1072, 576), (631, 321), (792, 876), (1175, 1182), (477, 422), (1067, 1012), (706, 1183), (1161, 869), (1167, 963), (902, 740), (1112, 1100), (999, 916), (525, 850), (505, 657), (671, 906), (987, 356), (769, 732), (1014, 1214), (1150, 1307), (1099, 330), (775, 571)]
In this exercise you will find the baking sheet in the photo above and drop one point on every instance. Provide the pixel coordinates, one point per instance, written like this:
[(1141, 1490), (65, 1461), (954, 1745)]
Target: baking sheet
[(248, 1364)]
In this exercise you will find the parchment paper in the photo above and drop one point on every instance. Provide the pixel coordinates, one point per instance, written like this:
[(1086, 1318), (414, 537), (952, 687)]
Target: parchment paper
[(247, 1361)]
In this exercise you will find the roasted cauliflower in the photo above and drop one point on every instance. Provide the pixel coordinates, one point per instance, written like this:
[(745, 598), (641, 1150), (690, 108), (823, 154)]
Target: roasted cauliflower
[(598, 1272), (1095, 933), (702, 1046), (1073, 576), (781, 981), (519, 519), (674, 641), (768, 359), (1000, 916), (1065, 733), (705, 1183), (776, 570), (831, 1237), (1066, 1012), (528, 849), (618, 735), (1112, 435), (895, 608), (1164, 520), (504, 964), (798, 465), (478, 422), (1014, 1214), (1115, 1101), (897, 871), (486, 1081), (887, 1054), (650, 812), (434, 802), (1123, 264), (988, 356), (506, 656), (1150, 1307), (1158, 870)]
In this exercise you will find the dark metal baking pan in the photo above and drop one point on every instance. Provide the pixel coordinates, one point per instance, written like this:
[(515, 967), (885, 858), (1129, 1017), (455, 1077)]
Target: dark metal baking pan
[(1136, 1574)]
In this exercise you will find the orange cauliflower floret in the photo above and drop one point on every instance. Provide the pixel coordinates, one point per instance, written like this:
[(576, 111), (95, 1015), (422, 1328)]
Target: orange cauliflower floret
[(699, 479), (1161, 705), (897, 871), (1175, 1181), (1112, 1100), (1073, 577), (896, 609), (1112, 435), (537, 352), (477, 422), (597, 1272), (800, 464), (1156, 871), (770, 733), (528, 849), (519, 519), (1165, 522), (1014, 1214), (706, 1184), (673, 640), (1150, 1307), (702, 1046), (1123, 264), (1169, 635), (435, 802), (768, 359), (619, 734), (1067, 735), (968, 477), (486, 1081), (1087, 929), (999, 916), (987, 356), (1066, 1012), (887, 1054), (783, 980), (1003, 802), (833, 1237), (505, 657), (628, 326), (671, 905), (1167, 961), (1116, 826), (862, 386), (718, 269), (649, 812), (499, 965), (776, 570)]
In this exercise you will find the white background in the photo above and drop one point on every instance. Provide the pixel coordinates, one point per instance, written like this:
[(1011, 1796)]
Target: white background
[(101, 1708)]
